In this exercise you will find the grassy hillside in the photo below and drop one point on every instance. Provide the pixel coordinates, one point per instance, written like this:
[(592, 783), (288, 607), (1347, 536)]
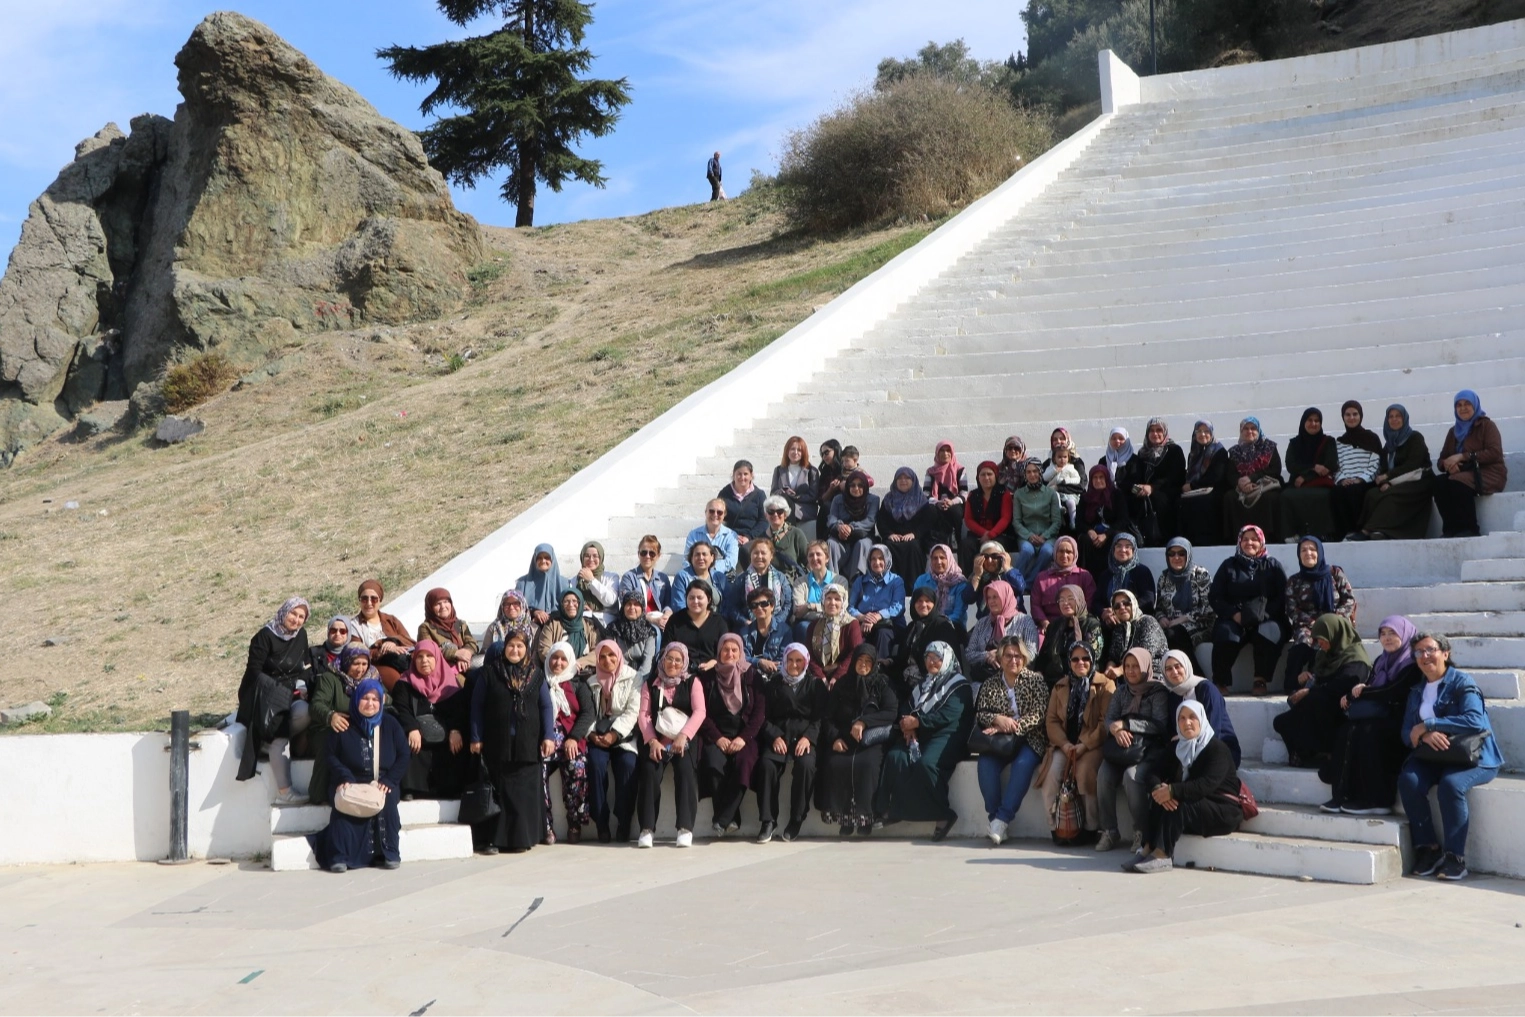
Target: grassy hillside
[(380, 452)]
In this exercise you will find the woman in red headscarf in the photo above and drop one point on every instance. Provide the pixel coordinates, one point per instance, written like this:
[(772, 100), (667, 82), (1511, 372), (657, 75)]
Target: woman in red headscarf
[(946, 487), (448, 632)]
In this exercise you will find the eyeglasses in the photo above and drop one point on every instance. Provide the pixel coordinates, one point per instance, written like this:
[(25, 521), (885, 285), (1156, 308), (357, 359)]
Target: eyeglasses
[(337, 628), (714, 512), (758, 605), (646, 552), (1175, 552), (369, 598), (1429, 651), (778, 512), (1080, 657)]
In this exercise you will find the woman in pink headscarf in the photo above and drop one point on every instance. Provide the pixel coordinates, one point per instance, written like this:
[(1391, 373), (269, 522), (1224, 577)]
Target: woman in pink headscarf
[(427, 701), (733, 720), (946, 487)]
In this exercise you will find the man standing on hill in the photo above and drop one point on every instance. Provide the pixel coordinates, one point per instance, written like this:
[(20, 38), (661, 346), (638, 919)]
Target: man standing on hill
[(712, 174)]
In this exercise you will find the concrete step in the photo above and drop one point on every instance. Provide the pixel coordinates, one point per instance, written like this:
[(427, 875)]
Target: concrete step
[(428, 843), (1323, 860), (1308, 823), (310, 818), (1493, 570), (1472, 624)]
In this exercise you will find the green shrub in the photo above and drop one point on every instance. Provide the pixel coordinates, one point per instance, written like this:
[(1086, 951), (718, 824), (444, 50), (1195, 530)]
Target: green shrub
[(920, 148), (194, 381)]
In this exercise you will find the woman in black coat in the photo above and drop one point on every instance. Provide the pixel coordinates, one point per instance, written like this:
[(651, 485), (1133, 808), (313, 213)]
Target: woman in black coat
[(794, 703), (733, 720), (699, 627), (350, 842), (269, 703), (1249, 598), (1151, 482), (512, 717), (1203, 799), (1200, 510), (429, 705), (1315, 713), (926, 625), (860, 711), (1369, 749)]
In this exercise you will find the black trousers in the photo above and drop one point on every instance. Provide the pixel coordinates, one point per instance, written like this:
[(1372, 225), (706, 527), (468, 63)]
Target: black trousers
[(685, 779), (1225, 652), (768, 777), (600, 762), (1457, 503), (1177, 638), (1165, 828), (849, 782), (722, 773), (1299, 659)]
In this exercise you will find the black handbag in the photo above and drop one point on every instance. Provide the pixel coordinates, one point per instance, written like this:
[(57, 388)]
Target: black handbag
[(1145, 733), (273, 706), (876, 735), (479, 801), (1003, 744), (1464, 750), (430, 729), (1362, 708)]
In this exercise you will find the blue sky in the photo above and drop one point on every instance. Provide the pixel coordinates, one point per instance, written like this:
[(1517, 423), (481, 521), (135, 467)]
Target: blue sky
[(705, 75)]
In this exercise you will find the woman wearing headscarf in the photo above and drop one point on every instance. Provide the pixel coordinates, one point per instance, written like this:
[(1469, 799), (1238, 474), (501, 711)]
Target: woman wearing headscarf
[(860, 715), (513, 718), (329, 709), (987, 513), (1064, 571), (947, 580), (1181, 604), (384, 633), (733, 719), (270, 706), (930, 741), (370, 749), (1471, 464), (1103, 514), (1132, 629), (1011, 472), (744, 503), (699, 627), (850, 525), (1359, 452), (1313, 462), (1184, 684), (925, 625), (1368, 752), (572, 704), (1208, 481), (829, 481), (325, 656), (904, 524), (599, 588), (1119, 452), (1315, 589), (1314, 713), (1255, 465), (1124, 572), (1077, 707), (612, 741), (1152, 481), (877, 600), (793, 707), (1036, 519), (1073, 626), (1202, 799), (833, 637), (572, 626), (1249, 597), (435, 717), (796, 481), (946, 487), (448, 632), (1398, 505), (1014, 702), (672, 712), (1060, 438), (1138, 736), (1003, 617), (542, 585), (636, 637), (513, 616)]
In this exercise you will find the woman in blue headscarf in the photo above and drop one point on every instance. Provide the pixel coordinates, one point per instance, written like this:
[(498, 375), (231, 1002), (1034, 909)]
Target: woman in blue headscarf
[(542, 586), (1471, 463), (1398, 505), (1317, 588), (371, 749)]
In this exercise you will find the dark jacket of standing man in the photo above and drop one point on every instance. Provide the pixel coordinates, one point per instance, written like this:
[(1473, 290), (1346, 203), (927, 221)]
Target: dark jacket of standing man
[(712, 174)]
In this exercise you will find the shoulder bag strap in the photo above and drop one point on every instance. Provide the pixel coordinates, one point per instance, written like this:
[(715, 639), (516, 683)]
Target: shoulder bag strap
[(376, 755)]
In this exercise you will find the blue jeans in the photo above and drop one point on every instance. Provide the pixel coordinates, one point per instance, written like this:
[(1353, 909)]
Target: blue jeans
[(1001, 804), (1452, 784), (1032, 560), (600, 762)]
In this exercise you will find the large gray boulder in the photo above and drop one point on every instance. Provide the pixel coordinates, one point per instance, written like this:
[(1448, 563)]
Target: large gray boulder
[(277, 202)]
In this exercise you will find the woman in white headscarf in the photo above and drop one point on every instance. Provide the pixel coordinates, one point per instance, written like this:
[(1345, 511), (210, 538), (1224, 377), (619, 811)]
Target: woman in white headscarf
[(1202, 799)]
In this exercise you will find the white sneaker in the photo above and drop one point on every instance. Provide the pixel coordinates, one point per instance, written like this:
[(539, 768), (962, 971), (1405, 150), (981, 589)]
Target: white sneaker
[(645, 839), (289, 797), (1108, 840), (1152, 864), (997, 831), (685, 838)]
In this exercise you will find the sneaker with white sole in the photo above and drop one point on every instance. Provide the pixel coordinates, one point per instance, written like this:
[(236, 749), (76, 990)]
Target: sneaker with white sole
[(289, 797), (645, 840), (1108, 840), (997, 831), (685, 838), (1366, 810), (1452, 867), (1153, 864)]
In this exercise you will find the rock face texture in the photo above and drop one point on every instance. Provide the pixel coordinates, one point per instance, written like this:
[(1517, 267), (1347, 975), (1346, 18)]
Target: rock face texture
[(277, 201)]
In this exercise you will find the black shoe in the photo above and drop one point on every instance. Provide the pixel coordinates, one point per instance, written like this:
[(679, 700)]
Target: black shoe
[(1452, 868), (1427, 860), (622, 834), (766, 833), (865, 828), (1356, 535), (488, 850), (339, 868), (389, 863), (790, 833), (1378, 535), (1331, 806), (847, 829), (604, 836), (940, 831)]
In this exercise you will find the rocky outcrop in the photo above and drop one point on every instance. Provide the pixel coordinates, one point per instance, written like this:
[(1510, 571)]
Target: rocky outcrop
[(277, 202)]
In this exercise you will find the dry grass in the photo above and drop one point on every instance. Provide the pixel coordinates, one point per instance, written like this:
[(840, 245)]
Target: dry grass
[(366, 454), (194, 381)]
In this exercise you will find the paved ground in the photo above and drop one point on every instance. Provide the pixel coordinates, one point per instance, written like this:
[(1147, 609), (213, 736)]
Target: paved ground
[(814, 927)]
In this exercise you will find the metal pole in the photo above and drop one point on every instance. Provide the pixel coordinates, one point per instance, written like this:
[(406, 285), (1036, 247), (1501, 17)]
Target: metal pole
[(1154, 63), (179, 785)]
